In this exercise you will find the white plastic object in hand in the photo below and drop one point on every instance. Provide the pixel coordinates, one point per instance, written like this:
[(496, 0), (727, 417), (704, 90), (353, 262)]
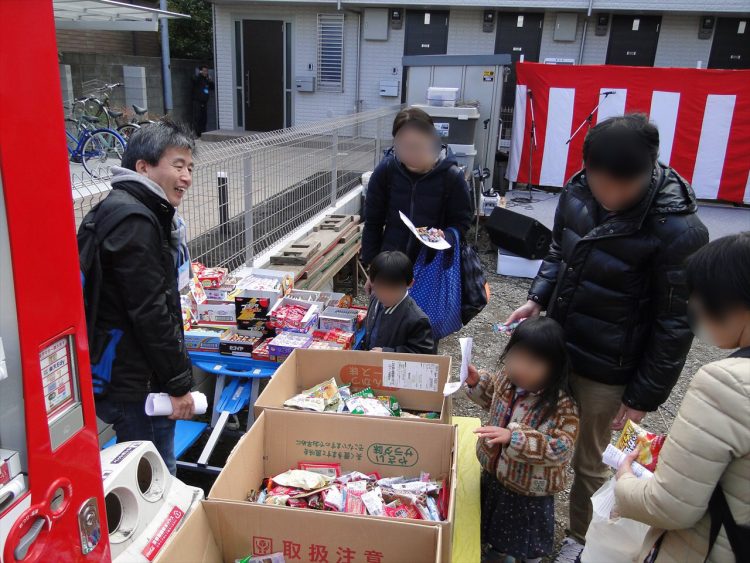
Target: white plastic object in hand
[(158, 404), (614, 457)]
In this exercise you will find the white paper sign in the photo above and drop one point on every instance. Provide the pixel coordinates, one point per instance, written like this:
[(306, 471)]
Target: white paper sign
[(420, 376), (442, 244), (158, 404), (452, 387)]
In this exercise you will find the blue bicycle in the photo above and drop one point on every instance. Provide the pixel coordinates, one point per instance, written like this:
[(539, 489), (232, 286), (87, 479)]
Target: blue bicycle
[(97, 149)]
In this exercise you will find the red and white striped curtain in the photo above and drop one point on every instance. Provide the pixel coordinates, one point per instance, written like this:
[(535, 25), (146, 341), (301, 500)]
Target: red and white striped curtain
[(703, 118)]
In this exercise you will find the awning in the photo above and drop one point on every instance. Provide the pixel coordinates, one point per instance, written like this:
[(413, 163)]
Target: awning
[(108, 15)]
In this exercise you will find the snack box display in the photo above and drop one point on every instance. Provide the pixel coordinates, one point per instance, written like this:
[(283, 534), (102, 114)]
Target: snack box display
[(336, 317), (391, 448), (305, 295), (325, 345), (210, 277), (228, 531), (415, 381), (220, 313), (346, 339), (238, 343), (260, 352), (287, 342), (258, 282), (203, 339), (223, 293), (293, 314), (333, 299), (251, 310)]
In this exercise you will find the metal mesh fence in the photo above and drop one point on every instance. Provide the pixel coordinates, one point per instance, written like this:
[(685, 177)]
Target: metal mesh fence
[(248, 193)]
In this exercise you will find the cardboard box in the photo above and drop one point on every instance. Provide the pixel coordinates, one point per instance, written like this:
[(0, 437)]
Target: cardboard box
[(279, 440), (222, 531), (220, 313), (285, 283), (336, 317), (223, 293), (306, 368), (251, 310), (203, 339)]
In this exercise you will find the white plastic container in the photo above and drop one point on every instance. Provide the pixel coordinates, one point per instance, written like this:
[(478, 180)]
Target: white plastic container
[(511, 265), (465, 155), (442, 97)]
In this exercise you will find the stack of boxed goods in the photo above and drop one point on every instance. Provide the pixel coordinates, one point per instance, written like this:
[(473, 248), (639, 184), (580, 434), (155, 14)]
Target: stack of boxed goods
[(257, 313)]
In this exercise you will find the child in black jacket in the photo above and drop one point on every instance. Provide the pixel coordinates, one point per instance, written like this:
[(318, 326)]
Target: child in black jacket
[(394, 322)]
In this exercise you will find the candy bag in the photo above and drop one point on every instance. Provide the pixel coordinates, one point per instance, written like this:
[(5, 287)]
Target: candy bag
[(327, 390), (634, 436), (391, 404), (304, 402), (333, 499), (302, 479), (367, 406)]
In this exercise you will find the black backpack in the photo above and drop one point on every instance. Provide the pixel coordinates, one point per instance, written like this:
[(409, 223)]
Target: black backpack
[(93, 230)]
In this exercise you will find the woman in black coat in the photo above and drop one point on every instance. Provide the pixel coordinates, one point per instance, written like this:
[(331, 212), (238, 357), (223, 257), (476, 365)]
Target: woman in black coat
[(420, 178)]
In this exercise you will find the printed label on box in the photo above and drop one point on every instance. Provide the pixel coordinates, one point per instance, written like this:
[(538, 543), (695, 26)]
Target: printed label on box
[(163, 533), (420, 376)]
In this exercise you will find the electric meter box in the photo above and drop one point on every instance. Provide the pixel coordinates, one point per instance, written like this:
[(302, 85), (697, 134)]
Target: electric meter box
[(455, 125), (389, 88), (305, 83)]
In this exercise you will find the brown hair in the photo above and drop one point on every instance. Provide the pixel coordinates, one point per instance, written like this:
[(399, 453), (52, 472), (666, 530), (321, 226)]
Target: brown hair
[(414, 118)]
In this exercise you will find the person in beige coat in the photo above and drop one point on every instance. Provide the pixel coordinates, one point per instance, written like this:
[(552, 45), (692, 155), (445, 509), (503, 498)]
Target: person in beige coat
[(709, 442)]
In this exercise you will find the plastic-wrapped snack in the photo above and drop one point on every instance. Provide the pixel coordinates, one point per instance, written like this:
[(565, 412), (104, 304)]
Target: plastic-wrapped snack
[(373, 501), (634, 436), (331, 470), (272, 558), (327, 390), (366, 392), (353, 476), (353, 503), (315, 501), (304, 402), (402, 511), (429, 415), (333, 499), (367, 406), (406, 414), (301, 479), (391, 404), (388, 481), (433, 508), (297, 503), (345, 391)]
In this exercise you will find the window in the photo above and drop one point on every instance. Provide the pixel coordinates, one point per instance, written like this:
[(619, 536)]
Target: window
[(331, 52)]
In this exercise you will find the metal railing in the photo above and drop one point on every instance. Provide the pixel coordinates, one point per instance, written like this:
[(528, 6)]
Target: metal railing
[(249, 193)]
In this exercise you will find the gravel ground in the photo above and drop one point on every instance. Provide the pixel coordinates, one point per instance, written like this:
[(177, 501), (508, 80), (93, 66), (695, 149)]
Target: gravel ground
[(506, 295)]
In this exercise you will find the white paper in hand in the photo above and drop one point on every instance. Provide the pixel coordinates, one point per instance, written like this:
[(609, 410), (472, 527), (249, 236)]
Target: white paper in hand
[(442, 244), (452, 387), (158, 404)]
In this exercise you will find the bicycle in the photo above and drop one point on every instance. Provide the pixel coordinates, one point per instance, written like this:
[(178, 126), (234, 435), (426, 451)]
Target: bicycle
[(137, 121), (97, 149), (96, 104)]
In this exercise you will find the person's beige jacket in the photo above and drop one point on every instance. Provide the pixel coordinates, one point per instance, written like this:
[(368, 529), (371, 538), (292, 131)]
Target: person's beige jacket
[(709, 443)]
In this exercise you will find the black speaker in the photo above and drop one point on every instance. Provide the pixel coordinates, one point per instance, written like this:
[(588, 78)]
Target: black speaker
[(518, 233)]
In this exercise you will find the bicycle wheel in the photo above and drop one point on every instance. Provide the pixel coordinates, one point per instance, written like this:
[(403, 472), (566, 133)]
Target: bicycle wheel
[(127, 130), (102, 150), (71, 133)]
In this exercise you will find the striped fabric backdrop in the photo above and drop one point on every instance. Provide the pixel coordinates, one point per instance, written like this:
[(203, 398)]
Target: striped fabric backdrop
[(703, 118)]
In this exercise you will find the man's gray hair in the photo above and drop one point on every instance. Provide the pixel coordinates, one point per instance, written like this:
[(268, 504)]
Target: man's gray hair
[(151, 141)]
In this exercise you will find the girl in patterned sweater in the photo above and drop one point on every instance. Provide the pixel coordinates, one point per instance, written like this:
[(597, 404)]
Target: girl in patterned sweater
[(526, 446)]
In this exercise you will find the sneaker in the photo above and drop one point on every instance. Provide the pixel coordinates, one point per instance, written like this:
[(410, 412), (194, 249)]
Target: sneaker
[(570, 551)]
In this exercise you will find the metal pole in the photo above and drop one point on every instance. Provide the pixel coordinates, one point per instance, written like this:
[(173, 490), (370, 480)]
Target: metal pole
[(166, 72), (378, 149), (222, 183), (334, 167), (248, 187)]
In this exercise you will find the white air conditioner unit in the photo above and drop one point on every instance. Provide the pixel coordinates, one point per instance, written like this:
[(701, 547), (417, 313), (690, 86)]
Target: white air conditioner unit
[(143, 502)]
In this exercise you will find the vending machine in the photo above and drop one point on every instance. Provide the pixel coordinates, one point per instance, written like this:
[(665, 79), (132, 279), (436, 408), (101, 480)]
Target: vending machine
[(51, 496)]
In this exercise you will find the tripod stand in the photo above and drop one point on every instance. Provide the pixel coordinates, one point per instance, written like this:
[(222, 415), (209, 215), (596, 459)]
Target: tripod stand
[(532, 147), (590, 116)]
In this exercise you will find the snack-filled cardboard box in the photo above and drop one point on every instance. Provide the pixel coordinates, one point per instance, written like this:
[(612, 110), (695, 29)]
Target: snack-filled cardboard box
[(219, 531), (418, 380), (280, 439)]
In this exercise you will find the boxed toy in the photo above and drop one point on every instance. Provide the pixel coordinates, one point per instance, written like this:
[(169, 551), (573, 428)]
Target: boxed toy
[(389, 450), (217, 313)]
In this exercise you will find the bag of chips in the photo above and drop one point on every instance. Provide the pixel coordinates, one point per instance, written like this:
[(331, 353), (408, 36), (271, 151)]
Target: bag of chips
[(301, 479), (649, 444)]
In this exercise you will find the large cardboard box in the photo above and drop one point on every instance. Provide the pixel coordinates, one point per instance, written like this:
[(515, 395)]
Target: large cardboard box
[(306, 368), (222, 531), (280, 439)]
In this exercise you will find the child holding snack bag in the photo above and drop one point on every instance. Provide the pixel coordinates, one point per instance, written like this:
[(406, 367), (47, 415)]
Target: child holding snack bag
[(528, 442)]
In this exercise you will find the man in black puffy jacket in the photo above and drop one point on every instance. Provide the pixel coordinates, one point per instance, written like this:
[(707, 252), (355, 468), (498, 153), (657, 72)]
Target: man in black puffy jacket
[(144, 262), (614, 279)]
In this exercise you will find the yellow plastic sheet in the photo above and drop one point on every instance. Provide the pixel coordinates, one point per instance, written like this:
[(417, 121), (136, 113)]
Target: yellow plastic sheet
[(467, 522)]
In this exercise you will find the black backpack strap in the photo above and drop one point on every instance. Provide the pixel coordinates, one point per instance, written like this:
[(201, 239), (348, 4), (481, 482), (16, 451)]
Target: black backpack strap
[(721, 515), (449, 178), (103, 226)]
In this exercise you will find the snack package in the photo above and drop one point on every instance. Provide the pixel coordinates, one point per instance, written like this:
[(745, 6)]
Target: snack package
[(297, 503), (333, 499), (634, 436), (328, 391), (353, 502), (373, 502), (367, 406), (272, 558), (331, 470), (400, 510), (353, 476), (302, 479), (304, 402), (390, 403)]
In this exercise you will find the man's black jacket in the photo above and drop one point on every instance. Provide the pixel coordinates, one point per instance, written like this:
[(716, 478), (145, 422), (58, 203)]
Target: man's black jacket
[(139, 296), (438, 199), (618, 288), (404, 328), (201, 88)]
